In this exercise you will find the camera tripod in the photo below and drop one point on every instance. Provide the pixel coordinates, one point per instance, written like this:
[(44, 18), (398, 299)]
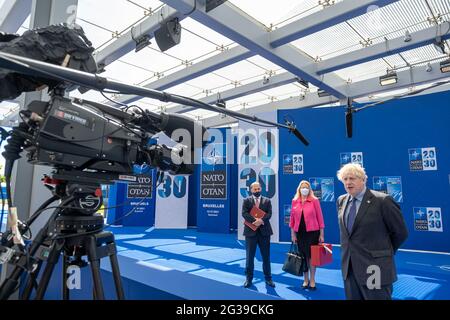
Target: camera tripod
[(73, 231)]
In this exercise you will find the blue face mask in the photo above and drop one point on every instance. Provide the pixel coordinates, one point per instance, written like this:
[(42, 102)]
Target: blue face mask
[(257, 194)]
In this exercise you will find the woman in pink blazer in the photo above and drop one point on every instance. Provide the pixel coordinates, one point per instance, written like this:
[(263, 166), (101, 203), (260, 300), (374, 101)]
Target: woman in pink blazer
[(307, 226)]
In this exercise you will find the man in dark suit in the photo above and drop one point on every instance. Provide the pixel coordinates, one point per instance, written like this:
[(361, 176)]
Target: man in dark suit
[(260, 237), (372, 228)]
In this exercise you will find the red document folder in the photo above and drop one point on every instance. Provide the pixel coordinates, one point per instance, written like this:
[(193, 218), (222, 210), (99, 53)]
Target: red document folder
[(255, 213)]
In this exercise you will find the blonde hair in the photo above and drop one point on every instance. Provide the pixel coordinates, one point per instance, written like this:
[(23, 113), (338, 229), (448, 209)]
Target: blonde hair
[(353, 169), (298, 193)]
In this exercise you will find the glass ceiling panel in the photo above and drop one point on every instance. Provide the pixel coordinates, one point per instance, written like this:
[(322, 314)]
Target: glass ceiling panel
[(280, 12), (207, 33), (209, 82), (264, 63), (371, 69), (396, 16), (185, 89), (115, 18), (240, 71), (422, 54), (147, 4), (330, 40), (440, 6), (283, 92), (150, 58), (95, 34)]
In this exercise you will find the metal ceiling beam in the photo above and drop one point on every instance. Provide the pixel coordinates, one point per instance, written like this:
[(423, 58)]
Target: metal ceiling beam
[(388, 47), (218, 61), (323, 19), (406, 78), (256, 86), (127, 42), (13, 13), (234, 24)]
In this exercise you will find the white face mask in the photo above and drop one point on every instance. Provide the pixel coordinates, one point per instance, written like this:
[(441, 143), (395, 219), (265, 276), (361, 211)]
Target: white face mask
[(304, 191)]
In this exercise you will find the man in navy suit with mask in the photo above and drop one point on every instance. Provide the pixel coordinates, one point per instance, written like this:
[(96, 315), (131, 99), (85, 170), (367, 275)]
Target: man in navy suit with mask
[(260, 237)]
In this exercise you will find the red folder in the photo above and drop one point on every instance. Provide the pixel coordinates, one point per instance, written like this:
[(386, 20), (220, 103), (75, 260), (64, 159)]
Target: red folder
[(321, 254), (255, 213)]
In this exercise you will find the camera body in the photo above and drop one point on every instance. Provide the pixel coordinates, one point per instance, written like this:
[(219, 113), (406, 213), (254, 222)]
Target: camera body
[(75, 134)]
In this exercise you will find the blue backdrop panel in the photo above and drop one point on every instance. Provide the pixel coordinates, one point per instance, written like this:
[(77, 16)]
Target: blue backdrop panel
[(386, 135), (214, 188)]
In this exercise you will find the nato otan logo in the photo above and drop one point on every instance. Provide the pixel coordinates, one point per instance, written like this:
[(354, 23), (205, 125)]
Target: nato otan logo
[(391, 185), (352, 157), (428, 219), (293, 164), (214, 156), (422, 159)]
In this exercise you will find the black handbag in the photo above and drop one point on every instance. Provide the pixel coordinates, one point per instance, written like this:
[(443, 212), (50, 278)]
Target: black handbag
[(295, 261)]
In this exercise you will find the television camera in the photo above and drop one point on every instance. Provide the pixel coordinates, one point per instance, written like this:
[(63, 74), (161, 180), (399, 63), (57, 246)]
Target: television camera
[(87, 144)]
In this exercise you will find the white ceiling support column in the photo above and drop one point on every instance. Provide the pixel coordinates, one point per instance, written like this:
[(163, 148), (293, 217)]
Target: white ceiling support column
[(127, 42), (13, 13)]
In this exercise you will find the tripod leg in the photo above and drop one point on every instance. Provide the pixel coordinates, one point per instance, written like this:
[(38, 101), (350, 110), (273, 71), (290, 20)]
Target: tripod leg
[(94, 260), (65, 288), (52, 260), (30, 282), (116, 274)]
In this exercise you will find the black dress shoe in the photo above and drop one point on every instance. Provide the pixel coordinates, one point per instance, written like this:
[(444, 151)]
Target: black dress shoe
[(247, 283), (270, 283), (305, 286), (312, 288)]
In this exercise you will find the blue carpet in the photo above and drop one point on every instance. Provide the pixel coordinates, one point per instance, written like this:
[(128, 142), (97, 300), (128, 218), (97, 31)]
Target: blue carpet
[(194, 265)]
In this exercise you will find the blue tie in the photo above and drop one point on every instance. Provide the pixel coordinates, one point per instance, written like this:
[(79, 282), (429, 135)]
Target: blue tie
[(351, 215)]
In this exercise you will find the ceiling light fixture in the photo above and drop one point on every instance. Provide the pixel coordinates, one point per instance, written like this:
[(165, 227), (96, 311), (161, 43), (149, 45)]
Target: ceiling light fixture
[(322, 93), (445, 66), (389, 78), (439, 45)]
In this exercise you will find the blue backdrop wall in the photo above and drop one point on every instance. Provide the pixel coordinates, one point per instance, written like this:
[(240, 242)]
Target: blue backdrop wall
[(404, 146)]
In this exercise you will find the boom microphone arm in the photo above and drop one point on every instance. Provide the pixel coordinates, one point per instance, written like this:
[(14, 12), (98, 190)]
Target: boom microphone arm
[(93, 81)]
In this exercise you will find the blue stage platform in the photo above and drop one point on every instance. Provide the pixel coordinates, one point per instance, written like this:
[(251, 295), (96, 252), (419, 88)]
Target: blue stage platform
[(187, 264)]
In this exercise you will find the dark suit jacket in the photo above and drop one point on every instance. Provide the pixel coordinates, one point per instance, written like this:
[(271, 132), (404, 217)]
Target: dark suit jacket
[(378, 231), (266, 206)]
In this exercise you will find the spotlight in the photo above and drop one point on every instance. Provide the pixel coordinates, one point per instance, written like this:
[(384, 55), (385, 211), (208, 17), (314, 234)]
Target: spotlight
[(304, 83), (389, 78), (445, 66), (168, 35), (439, 45), (322, 93), (407, 36), (221, 103)]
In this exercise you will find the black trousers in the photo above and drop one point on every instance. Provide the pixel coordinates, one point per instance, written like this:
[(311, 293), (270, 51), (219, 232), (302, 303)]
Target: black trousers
[(356, 291), (263, 242)]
